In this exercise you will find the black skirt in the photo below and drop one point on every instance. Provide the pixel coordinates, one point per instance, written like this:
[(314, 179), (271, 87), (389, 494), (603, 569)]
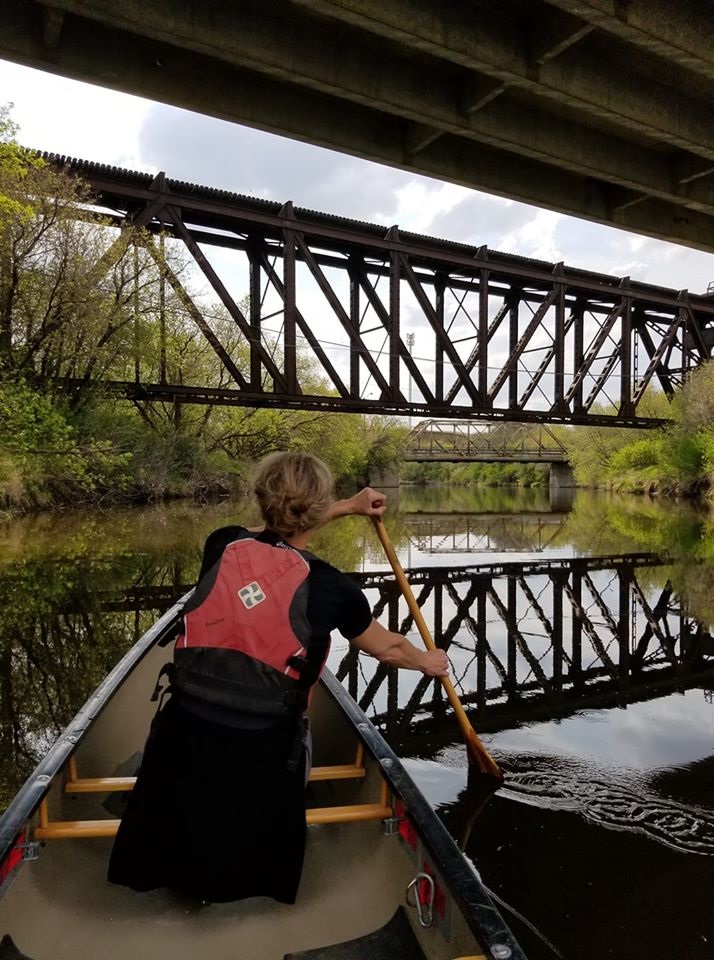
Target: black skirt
[(215, 814)]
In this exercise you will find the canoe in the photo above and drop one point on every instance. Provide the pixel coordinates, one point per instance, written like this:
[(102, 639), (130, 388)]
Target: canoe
[(382, 876)]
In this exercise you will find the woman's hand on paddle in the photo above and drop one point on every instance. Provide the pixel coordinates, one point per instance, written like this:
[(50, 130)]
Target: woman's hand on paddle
[(395, 650), (367, 503), (436, 664)]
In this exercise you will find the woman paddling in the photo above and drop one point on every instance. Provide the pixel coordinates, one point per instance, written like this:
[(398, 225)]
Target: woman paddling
[(218, 810)]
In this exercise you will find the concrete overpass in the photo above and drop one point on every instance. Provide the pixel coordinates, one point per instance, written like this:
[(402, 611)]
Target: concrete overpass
[(598, 108)]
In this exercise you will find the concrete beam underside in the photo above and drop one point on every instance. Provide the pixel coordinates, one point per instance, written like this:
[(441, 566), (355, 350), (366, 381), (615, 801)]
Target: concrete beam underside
[(407, 83)]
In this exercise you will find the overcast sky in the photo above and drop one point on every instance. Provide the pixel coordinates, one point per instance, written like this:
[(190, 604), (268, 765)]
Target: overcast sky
[(84, 121)]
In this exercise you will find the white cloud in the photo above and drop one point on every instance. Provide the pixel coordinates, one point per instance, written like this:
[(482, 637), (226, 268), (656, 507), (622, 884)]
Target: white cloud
[(537, 237), (421, 201), (78, 119)]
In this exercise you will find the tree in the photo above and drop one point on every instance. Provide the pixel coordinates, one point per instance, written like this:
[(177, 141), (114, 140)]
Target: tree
[(70, 284), (82, 301)]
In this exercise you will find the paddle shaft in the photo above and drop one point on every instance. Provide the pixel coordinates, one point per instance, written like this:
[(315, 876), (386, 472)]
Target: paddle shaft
[(484, 757)]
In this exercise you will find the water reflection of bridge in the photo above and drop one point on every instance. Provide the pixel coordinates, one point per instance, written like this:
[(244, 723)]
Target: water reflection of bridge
[(437, 533), (527, 641), (533, 641)]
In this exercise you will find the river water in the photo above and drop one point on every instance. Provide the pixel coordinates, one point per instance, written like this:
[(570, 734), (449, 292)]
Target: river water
[(579, 632)]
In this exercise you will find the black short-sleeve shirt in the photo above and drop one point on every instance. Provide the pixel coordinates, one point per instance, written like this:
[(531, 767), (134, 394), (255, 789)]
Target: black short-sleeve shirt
[(334, 601)]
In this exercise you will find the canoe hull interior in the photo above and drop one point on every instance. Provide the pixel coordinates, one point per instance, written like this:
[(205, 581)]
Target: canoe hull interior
[(61, 907)]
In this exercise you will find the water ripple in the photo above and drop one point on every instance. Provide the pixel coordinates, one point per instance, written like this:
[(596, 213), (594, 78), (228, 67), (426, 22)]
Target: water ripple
[(609, 800)]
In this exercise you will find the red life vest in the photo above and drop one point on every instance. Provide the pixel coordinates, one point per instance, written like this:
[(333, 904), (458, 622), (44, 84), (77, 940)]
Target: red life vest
[(246, 635)]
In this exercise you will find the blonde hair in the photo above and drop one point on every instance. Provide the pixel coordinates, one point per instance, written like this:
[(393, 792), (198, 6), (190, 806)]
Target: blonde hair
[(294, 492)]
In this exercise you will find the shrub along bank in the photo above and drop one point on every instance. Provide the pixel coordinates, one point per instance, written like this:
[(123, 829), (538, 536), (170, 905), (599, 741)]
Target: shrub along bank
[(476, 474), (674, 460)]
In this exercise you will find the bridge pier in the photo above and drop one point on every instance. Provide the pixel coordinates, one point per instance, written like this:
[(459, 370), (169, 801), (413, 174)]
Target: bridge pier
[(561, 476), (384, 479), (561, 499)]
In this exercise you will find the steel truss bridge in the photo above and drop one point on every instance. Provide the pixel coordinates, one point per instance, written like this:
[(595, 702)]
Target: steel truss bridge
[(467, 441), (498, 337), (527, 641)]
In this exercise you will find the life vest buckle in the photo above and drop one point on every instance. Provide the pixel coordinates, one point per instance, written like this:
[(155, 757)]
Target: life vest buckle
[(297, 662)]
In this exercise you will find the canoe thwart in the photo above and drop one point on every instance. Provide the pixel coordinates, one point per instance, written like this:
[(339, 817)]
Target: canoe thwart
[(74, 829), (77, 784), (346, 771)]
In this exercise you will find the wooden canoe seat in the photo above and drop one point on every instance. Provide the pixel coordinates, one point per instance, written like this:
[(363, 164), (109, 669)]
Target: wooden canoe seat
[(346, 771), (69, 829)]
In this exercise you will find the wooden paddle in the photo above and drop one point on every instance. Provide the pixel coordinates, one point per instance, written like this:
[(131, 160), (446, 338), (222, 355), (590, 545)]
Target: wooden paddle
[(479, 757)]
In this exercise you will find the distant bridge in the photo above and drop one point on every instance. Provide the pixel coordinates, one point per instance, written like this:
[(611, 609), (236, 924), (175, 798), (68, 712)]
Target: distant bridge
[(457, 441)]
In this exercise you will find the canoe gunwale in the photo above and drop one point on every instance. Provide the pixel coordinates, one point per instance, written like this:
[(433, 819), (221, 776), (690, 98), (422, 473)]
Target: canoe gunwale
[(480, 913)]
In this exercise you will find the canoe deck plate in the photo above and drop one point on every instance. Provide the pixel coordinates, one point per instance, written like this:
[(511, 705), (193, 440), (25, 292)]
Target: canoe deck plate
[(8, 950), (395, 939)]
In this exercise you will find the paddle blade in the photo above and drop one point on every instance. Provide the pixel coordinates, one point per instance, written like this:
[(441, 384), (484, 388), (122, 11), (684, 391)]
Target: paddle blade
[(481, 763), (480, 787)]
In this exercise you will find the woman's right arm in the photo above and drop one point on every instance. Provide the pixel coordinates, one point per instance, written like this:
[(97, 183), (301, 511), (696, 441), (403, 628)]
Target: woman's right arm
[(395, 650)]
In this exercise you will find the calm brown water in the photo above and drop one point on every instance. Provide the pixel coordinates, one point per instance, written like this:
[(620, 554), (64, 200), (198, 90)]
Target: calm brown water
[(579, 637)]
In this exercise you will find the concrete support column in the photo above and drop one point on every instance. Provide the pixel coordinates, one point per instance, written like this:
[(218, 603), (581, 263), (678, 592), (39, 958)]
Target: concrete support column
[(561, 476), (562, 499), (386, 480)]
